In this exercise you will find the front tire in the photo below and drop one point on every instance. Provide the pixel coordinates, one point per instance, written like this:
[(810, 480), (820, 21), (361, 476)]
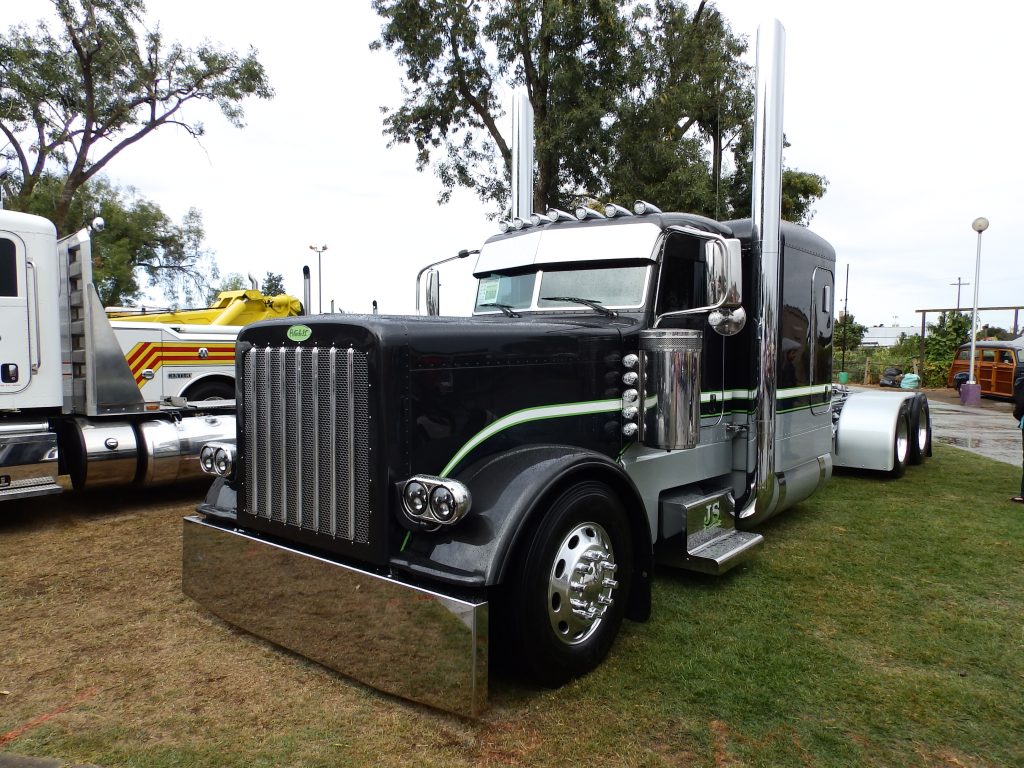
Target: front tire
[(567, 592)]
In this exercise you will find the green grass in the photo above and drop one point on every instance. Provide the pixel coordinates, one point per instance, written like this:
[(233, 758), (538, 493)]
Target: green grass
[(881, 625)]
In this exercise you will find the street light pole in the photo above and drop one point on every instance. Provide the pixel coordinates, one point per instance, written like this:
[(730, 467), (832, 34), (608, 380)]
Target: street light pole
[(979, 225), (319, 275)]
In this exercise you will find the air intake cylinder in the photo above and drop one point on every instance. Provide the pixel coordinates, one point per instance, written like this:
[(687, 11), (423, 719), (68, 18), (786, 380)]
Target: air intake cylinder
[(670, 361)]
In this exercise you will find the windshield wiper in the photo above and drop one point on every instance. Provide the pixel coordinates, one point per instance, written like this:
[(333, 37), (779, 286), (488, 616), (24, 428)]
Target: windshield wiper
[(506, 308), (589, 302)]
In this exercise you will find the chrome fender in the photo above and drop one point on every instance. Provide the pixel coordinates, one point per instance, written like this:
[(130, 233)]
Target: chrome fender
[(866, 432)]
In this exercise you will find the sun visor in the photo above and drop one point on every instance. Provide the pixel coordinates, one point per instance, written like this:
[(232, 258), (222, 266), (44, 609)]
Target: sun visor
[(561, 243)]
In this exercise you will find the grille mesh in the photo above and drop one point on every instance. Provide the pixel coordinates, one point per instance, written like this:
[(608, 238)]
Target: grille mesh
[(306, 446)]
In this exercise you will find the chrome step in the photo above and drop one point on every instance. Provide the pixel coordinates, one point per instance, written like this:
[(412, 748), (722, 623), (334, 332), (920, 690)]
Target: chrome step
[(28, 491), (723, 552)]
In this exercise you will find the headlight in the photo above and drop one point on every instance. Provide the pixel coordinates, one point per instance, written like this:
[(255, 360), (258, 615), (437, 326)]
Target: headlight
[(435, 500), (206, 459), (415, 497), (222, 461), (218, 459), (442, 504)]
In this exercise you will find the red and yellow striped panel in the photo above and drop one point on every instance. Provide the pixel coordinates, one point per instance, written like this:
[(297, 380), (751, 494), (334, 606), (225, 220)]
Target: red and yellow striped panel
[(154, 355)]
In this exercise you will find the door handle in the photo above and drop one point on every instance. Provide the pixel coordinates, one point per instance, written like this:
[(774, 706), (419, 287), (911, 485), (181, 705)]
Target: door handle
[(34, 320)]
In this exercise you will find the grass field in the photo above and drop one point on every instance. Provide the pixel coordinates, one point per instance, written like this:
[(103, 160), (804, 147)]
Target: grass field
[(882, 625)]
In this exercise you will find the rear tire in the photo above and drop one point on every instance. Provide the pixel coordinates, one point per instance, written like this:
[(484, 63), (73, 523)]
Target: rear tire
[(566, 595), (901, 442), (920, 430), (210, 390)]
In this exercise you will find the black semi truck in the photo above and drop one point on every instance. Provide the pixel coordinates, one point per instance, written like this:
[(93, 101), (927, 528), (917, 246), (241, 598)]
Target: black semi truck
[(409, 497)]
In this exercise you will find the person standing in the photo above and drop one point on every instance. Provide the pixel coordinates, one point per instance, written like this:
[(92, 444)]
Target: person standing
[(1018, 413)]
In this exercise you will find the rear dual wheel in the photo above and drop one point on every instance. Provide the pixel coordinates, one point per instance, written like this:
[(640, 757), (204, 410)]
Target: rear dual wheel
[(901, 442), (920, 430)]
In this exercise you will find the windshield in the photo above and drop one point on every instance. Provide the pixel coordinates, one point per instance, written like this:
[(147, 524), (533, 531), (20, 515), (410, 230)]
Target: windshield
[(614, 287)]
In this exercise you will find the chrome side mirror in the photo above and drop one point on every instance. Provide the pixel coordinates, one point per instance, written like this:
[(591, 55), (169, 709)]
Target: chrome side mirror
[(433, 292), (724, 270), (725, 278), (724, 273)]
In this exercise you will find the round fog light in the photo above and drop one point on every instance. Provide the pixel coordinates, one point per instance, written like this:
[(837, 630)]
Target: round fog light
[(206, 459), (442, 504), (222, 461), (415, 496)]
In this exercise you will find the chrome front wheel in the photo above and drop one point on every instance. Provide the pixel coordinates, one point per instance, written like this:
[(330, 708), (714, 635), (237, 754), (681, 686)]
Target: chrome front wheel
[(582, 585), (564, 599)]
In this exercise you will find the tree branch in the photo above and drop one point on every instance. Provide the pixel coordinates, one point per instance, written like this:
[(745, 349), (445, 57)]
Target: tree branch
[(22, 159), (479, 108)]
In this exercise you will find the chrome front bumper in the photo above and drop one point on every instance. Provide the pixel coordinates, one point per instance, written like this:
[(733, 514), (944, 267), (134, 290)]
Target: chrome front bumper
[(396, 637)]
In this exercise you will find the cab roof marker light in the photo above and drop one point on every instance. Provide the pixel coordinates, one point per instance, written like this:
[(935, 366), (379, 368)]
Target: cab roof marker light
[(539, 218), (504, 225), (640, 207), (518, 223), (583, 213), (556, 215), (612, 211)]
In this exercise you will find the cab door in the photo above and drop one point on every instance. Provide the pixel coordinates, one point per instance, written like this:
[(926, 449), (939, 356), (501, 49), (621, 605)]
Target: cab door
[(16, 345)]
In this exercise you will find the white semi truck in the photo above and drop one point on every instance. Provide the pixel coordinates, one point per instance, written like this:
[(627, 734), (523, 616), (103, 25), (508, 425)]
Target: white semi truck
[(79, 398)]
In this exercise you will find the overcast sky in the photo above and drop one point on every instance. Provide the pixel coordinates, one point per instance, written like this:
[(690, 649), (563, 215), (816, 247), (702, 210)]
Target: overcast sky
[(912, 111)]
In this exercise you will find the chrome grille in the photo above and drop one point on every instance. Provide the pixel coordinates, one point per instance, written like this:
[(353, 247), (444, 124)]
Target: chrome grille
[(306, 446)]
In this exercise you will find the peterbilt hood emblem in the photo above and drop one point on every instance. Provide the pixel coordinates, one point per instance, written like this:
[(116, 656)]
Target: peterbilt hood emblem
[(299, 332)]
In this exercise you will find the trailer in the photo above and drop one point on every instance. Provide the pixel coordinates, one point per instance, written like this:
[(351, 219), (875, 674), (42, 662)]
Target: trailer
[(81, 395), (409, 499)]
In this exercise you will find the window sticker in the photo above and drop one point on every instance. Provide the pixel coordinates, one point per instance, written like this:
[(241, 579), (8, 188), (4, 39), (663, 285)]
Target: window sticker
[(488, 291)]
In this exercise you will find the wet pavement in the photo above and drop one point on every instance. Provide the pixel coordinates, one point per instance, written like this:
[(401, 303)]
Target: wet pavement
[(988, 430)]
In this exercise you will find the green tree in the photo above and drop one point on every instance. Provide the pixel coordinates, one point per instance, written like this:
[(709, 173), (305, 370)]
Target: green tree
[(457, 58), (995, 333), (800, 189), (630, 99), (273, 284), (691, 94), (76, 98), (944, 336), (232, 281), (140, 246), (848, 335)]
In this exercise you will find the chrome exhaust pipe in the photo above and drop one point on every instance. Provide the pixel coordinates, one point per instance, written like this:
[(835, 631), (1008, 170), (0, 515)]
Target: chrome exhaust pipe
[(307, 293), (766, 215), (522, 156)]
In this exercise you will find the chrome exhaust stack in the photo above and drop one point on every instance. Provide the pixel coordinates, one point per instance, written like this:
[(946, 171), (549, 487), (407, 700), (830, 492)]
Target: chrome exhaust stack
[(766, 215), (306, 292), (522, 156)]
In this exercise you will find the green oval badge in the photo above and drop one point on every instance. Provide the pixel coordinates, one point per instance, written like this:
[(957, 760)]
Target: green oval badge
[(299, 332)]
